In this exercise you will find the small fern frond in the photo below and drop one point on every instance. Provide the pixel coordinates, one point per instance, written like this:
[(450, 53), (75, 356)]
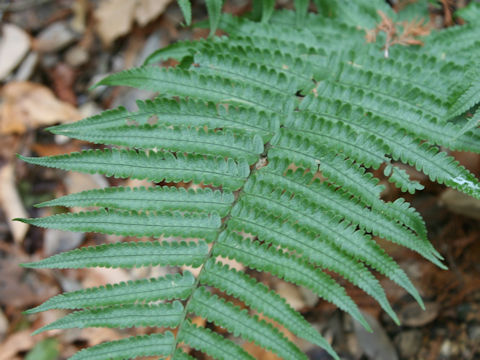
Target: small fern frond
[(240, 323), (201, 141), (182, 113), (287, 267), (157, 198), (262, 299), (154, 166), (261, 147), (210, 343), (180, 82), (164, 288), (129, 223), (127, 255), (125, 316), (132, 347)]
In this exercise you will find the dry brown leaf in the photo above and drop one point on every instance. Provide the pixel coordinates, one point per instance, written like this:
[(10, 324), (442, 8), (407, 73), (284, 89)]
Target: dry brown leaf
[(14, 45), (11, 203), (95, 336), (28, 105), (115, 17), (101, 276), (15, 343), (408, 36), (147, 10)]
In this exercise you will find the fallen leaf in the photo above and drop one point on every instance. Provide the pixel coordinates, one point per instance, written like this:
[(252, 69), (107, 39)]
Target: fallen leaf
[(410, 31), (19, 341), (11, 203), (14, 45), (460, 203), (29, 105), (115, 17), (147, 10)]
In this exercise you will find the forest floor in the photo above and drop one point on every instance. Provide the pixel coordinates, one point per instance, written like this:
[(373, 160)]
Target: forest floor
[(51, 52)]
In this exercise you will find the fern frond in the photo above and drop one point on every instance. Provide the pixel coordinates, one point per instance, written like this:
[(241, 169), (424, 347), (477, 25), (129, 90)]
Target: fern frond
[(240, 323), (169, 287), (213, 344), (132, 347), (278, 127), (469, 97), (179, 113), (257, 296), (179, 82), (128, 255), (181, 355), (244, 71), (287, 267), (157, 198), (154, 166), (159, 137), (129, 223), (423, 156), (125, 316)]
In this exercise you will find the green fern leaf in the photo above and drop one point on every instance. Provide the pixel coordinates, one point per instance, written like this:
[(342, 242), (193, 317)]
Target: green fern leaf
[(231, 317), (288, 268), (163, 288), (181, 355), (132, 254), (143, 345), (161, 315), (157, 198), (213, 344), (152, 166), (186, 8), (178, 113), (259, 297), (181, 82), (214, 8), (277, 127), (134, 224), (226, 144)]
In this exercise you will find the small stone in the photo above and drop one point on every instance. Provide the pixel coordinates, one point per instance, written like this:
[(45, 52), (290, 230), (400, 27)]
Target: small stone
[(3, 325), (57, 241), (375, 345), (14, 45), (55, 37), (474, 333), (409, 343), (413, 315), (449, 349), (26, 69), (76, 56)]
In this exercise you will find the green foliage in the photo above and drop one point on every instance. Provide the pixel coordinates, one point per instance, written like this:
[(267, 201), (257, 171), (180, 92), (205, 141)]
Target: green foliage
[(278, 126)]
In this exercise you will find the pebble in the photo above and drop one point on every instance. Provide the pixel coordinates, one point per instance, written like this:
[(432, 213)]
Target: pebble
[(474, 333), (14, 45), (376, 345), (449, 349), (412, 315), (26, 69), (55, 37), (76, 56), (57, 241), (409, 343)]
